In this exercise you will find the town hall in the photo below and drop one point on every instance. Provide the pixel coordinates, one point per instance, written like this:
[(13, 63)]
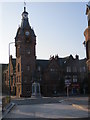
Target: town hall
[(24, 70)]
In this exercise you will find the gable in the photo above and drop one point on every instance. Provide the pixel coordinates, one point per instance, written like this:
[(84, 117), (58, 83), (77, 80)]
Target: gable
[(53, 65)]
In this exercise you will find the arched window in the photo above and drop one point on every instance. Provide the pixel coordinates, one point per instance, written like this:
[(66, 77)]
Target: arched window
[(18, 67)]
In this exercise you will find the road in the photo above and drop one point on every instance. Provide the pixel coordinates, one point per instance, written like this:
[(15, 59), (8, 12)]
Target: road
[(59, 109)]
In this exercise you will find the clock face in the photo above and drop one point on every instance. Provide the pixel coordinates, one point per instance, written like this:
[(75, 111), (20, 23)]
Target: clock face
[(27, 33), (25, 16)]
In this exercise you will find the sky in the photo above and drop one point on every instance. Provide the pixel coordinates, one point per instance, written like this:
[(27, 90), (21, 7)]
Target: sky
[(59, 27)]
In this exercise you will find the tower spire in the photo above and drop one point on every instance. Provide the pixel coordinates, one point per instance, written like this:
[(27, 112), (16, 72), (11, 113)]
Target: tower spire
[(24, 6)]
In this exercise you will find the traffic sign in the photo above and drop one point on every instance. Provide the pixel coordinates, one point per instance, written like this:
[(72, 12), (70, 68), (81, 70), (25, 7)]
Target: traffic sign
[(67, 82)]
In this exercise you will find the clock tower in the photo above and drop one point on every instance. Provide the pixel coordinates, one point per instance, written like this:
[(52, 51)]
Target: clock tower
[(25, 42)]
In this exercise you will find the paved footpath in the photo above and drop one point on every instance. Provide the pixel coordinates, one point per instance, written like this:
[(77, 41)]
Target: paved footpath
[(61, 109), (0, 106)]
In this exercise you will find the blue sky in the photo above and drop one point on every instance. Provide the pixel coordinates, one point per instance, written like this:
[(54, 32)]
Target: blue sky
[(59, 27)]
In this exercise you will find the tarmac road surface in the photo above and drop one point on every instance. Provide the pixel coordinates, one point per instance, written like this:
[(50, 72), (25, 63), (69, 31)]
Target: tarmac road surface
[(50, 110)]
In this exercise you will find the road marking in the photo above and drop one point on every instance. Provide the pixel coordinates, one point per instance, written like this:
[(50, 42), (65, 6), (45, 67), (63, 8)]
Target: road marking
[(80, 107)]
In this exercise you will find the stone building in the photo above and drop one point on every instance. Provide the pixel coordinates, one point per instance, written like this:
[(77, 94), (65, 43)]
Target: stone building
[(51, 74), (8, 85), (87, 41)]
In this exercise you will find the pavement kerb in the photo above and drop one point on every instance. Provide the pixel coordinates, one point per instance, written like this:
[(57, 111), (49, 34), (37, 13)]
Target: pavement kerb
[(8, 110), (80, 107), (60, 101)]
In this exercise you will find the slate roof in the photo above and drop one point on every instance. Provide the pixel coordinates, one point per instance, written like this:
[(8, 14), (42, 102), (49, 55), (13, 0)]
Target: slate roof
[(42, 63), (4, 66), (62, 61), (82, 62)]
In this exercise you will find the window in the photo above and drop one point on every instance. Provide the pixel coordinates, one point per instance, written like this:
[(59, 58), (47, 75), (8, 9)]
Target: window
[(28, 67), (67, 77), (68, 69), (28, 51), (18, 67), (11, 80), (19, 78), (51, 69), (28, 89), (5, 76), (25, 79), (39, 68), (74, 79), (82, 69), (19, 89)]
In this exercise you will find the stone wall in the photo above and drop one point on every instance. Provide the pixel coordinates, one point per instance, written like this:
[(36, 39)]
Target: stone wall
[(0, 78)]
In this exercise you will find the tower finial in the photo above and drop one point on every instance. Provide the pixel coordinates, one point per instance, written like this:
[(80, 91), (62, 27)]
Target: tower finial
[(24, 6)]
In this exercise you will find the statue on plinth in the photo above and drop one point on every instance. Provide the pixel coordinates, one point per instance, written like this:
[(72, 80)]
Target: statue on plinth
[(35, 87)]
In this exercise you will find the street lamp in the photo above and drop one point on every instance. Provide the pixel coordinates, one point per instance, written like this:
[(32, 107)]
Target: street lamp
[(9, 67)]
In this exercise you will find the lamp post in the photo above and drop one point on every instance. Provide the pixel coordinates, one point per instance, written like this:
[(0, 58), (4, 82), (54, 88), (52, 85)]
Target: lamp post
[(9, 67)]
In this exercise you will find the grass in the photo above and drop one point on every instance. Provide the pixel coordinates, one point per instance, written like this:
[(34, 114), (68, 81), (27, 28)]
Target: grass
[(5, 101)]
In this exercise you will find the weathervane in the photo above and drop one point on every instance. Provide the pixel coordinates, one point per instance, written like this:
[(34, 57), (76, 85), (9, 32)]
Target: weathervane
[(24, 5)]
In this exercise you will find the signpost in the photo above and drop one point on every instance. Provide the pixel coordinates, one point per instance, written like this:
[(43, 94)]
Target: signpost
[(67, 84)]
